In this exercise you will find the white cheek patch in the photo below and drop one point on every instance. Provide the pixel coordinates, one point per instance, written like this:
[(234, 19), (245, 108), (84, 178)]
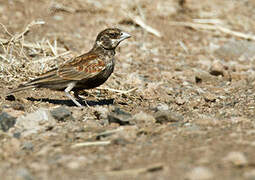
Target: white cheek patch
[(115, 42), (99, 43)]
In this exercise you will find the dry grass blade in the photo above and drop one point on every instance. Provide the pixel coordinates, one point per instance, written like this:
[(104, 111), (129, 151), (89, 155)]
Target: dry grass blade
[(27, 29), (31, 45), (119, 91), (142, 24), (5, 29), (96, 143), (137, 171), (214, 27), (108, 133)]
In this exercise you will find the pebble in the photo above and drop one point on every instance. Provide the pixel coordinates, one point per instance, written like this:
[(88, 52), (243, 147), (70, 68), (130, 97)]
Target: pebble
[(200, 173), (62, 114), (28, 146), (235, 49), (6, 121), (167, 116), (217, 69), (236, 158), (162, 107), (143, 118), (34, 122), (209, 97), (101, 112), (250, 175), (24, 174), (203, 76), (119, 116)]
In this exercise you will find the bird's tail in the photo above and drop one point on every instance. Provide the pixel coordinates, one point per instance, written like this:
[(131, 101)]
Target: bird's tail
[(20, 88)]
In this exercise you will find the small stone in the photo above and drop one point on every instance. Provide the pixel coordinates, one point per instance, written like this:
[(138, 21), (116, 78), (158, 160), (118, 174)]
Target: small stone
[(58, 18), (143, 118), (73, 165), (235, 50), (217, 69), (250, 175), (167, 116), (203, 76), (18, 106), (62, 114), (120, 117), (24, 174), (162, 107), (180, 101), (200, 173), (6, 121), (237, 159), (14, 112), (101, 112), (209, 97), (34, 122), (28, 146)]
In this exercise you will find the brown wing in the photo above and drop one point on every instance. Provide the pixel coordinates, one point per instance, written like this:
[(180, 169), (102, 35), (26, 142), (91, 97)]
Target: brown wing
[(84, 66)]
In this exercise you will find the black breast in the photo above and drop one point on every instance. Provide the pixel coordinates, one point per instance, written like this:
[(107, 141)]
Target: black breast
[(96, 80)]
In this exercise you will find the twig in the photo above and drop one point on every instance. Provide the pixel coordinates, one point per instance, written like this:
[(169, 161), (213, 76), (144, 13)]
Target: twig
[(148, 28), (119, 91), (108, 133), (152, 168), (96, 143), (31, 45), (53, 49), (60, 7), (214, 27), (6, 30), (208, 21), (184, 47), (16, 38)]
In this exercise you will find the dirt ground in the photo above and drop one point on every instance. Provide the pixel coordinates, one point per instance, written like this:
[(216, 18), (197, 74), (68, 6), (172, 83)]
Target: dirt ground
[(195, 69)]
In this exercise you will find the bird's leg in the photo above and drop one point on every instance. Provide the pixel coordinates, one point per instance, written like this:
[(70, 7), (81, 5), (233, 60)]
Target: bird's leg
[(76, 94), (69, 87)]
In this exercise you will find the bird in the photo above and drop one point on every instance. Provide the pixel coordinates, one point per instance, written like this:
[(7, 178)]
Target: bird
[(86, 71)]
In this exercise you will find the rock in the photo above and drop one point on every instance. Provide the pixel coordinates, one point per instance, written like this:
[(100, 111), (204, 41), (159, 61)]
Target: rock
[(62, 114), (39, 120), (120, 117), (200, 173), (162, 107), (167, 116), (143, 118), (250, 175), (24, 174), (209, 97), (217, 69), (101, 112), (73, 165), (180, 101), (236, 158), (12, 111), (203, 76), (235, 50), (6, 121), (28, 146)]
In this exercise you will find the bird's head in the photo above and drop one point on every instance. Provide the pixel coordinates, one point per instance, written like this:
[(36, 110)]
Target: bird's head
[(111, 37)]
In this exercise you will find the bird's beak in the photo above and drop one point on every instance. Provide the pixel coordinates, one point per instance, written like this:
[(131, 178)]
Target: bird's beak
[(124, 35)]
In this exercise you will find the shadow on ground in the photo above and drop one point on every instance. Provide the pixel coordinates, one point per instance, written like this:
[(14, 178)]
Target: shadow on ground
[(70, 102)]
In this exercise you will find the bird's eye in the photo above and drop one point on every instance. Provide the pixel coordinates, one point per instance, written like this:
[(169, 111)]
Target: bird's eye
[(113, 35)]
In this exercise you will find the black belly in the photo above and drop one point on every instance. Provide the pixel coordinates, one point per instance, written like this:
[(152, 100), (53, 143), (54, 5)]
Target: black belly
[(94, 81), (89, 84)]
